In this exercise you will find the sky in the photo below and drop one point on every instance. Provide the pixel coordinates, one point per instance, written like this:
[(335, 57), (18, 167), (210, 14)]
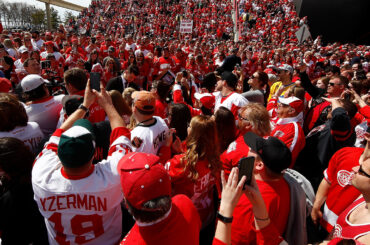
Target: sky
[(61, 11)]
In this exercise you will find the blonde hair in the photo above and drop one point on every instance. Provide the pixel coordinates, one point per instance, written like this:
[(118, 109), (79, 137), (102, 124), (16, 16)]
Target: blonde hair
[(258, 117), (202, 144)]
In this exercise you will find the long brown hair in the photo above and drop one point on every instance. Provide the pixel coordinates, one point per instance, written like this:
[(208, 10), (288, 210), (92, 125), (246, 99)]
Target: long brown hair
[(202, 144)]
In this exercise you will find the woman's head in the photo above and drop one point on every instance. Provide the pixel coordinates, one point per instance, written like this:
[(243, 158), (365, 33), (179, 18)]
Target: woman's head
[(226, 128), (109, 63), (179, 118), (202, 144), (323, 82), (15, 160), (12, 113), (258, 80)]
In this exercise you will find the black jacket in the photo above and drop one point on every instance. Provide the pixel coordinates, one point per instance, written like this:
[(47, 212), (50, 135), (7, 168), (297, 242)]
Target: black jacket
[(118, 84)]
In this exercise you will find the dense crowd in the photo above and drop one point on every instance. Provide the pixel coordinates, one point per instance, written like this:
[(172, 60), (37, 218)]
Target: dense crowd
[(117, 128)]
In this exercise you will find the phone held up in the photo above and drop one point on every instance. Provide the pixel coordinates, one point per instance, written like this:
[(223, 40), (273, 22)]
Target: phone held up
[(95, 81), (246, 166)]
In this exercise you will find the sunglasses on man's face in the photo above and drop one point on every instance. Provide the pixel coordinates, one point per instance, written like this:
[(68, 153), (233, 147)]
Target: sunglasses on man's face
[(362, 172)]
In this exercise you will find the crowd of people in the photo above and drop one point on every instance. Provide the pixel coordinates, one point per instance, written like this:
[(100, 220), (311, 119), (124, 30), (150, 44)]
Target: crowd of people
[(119, 129)]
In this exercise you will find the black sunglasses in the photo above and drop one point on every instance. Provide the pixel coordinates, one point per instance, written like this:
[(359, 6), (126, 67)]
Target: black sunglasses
[(362, 172)]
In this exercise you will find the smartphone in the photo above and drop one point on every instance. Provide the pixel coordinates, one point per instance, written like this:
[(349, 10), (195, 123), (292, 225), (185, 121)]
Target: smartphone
[(168, 78), (95, 81), (246, 166)]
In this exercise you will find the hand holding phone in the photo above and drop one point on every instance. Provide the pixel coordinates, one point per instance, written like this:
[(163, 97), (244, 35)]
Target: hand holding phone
[(246, 166)]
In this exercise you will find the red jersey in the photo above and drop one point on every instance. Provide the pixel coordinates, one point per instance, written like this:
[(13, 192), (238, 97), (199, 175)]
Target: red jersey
[(341, 193), (180, 226), (199, 191), (291, 133)]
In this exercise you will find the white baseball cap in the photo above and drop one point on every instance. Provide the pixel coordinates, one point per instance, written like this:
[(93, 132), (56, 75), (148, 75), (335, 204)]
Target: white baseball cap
[(22, 50), (293, 102), (30, 82)]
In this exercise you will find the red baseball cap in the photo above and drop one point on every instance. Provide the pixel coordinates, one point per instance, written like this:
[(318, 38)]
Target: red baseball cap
[(5, 85), (143, 178), (49, 43), (293, 102), (207, 99)]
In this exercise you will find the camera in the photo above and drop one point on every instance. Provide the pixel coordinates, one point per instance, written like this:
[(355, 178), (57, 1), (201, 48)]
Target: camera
[(45, 64)]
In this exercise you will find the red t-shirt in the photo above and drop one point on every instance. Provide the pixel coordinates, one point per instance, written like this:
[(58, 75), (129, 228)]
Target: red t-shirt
[(181, 227), (276, 195)]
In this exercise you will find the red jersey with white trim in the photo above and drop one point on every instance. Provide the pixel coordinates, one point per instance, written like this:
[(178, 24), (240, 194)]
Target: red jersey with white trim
[(200, 192), (343, 228), (149, 138), (180, 226), (233, 102), (45, 112), (230, 158), (291, 133), (341, 193), (81, 209)]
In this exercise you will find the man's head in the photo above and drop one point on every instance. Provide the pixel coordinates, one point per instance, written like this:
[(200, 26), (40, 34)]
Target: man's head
[(228, 80), (273, 156), (34, 87), (336, 86), (146, 186), (166, 52), (285, 72), (289, 107), (254, 117), (49, 45), (76, 146), (27, 39), (32, 66), (361, 177), (130, 73), (24, 53), (111, 51), (143, 104), (35, 35), (75, 80), (332, 71)]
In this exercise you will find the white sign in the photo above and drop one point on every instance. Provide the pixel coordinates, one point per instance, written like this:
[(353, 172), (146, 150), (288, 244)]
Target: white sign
[(303, 33), (186, 26)]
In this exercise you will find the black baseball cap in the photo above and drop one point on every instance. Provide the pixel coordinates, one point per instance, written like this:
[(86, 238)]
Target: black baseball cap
[(273, 152), (71, 103), (230, 78)]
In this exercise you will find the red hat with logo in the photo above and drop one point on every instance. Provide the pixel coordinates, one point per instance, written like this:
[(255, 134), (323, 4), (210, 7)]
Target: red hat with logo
[(207, 99), (143, 178)]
